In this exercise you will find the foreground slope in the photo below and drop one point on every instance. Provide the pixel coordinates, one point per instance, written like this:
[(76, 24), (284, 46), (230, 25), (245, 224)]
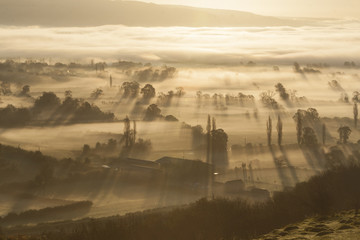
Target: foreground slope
[(343, 225)]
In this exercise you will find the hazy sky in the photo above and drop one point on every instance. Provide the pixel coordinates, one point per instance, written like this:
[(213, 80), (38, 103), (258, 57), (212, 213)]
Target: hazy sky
[(296, 8)]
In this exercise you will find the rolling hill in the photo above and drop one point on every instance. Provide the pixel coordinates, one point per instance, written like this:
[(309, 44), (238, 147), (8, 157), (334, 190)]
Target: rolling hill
[(83, 13)]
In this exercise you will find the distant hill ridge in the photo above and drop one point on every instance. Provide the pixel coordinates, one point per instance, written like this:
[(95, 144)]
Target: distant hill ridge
[(84, 13)]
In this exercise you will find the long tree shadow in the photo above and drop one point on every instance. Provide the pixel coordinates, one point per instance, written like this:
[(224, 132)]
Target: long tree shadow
[(290, 166), (285, 181), (314, 157)]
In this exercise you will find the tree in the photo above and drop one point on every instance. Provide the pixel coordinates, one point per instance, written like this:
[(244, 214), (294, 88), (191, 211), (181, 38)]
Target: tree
[(25, 91), (282, 92), (344, 134), (180, 92), (310, 116), (267, 99), (152, 113), (213, 124), (298, 119), (269, 130), (5, 89), (97, 93), (309, 138), (323, 134), (134, 132), (197, 133), (86, 149), (68, 94), (148, 92), (356, 113), (48, 101), (130, 89), (297, 68), (142, 147), (356, 96), (208, 140), (279, 128), (127, 132), (219, 140), (171, 118), (111, 145)]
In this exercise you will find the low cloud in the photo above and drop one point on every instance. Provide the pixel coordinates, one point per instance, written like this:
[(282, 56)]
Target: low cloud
[(183, 45)]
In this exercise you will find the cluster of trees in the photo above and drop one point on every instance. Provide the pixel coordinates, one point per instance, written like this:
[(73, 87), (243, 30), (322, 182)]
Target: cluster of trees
[(40, 66), (165, 99), (267, 99), (214, 140), (30, 66), (308, 129), (153, 112), (5, 90), (11, 116), (49, 108), (132, 90), (125, 65), (108, 148), (127, 144), (33, 168), (288, 96), (220, 101), (152, 74), (70, 110), (350, 64), (317, 65), (298, 69), (137, 147)]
